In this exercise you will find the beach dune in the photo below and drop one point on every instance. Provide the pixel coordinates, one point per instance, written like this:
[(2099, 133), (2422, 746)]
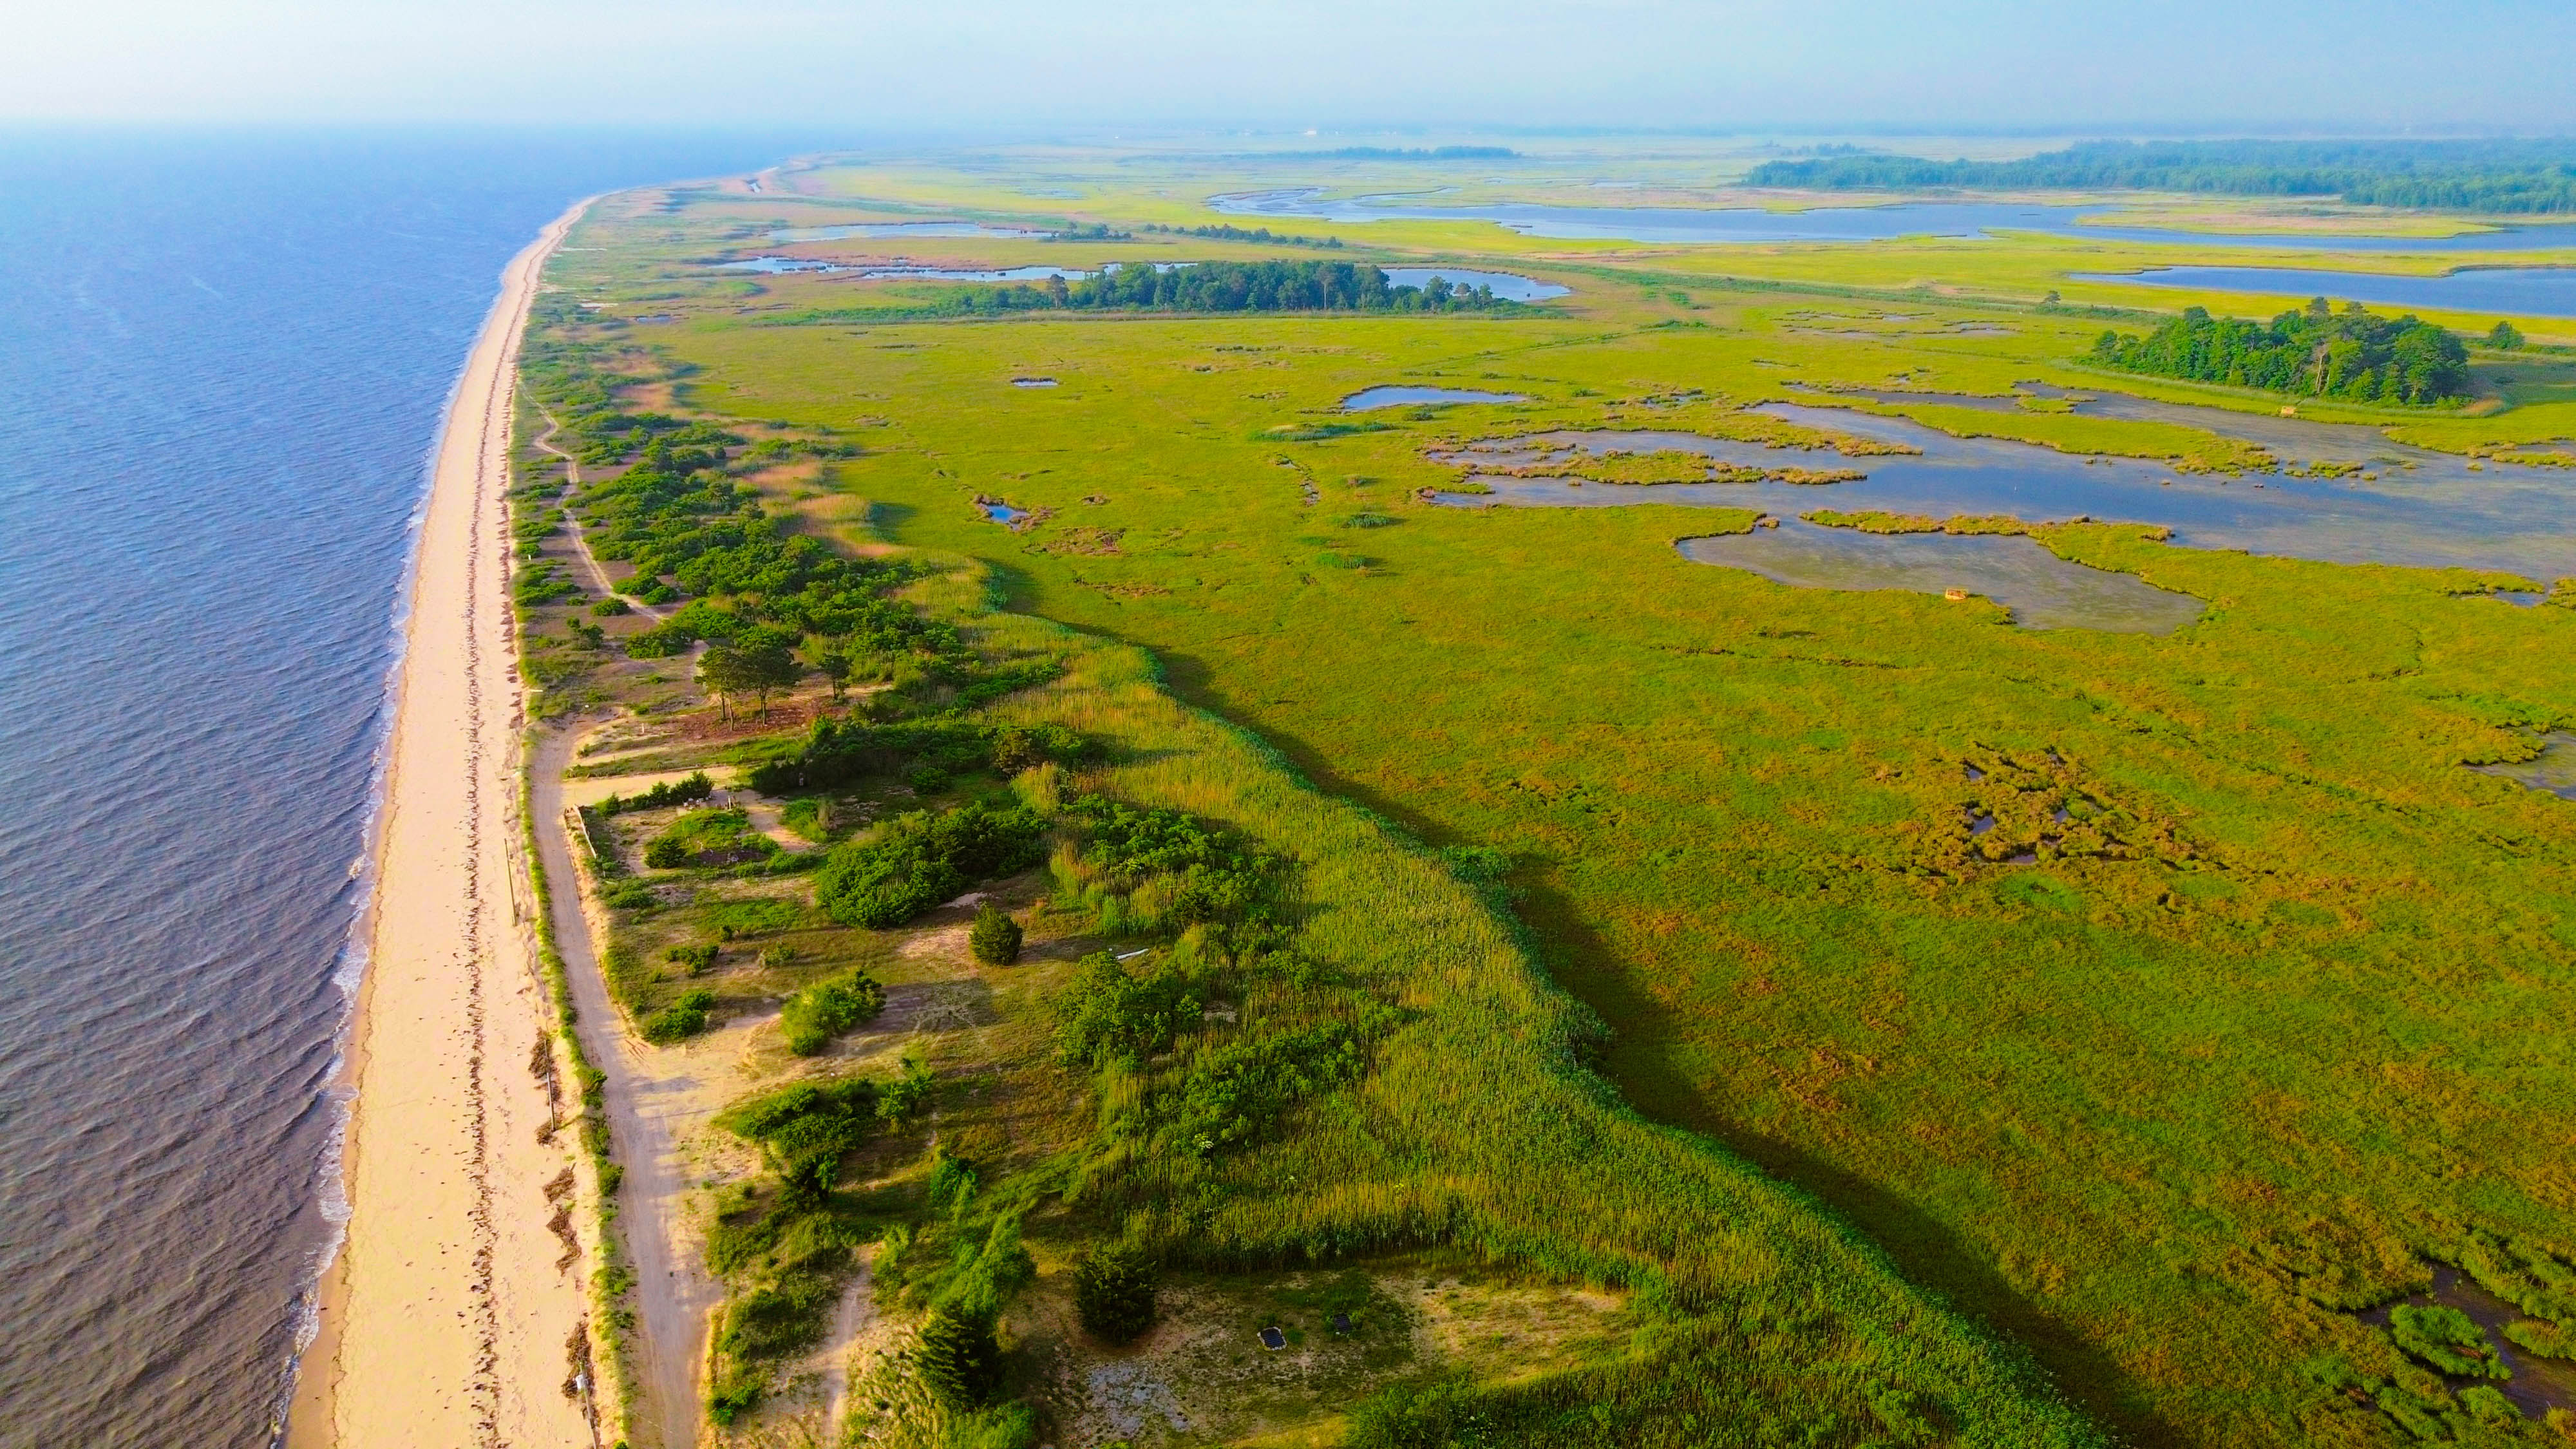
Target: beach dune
[(451, 1315)]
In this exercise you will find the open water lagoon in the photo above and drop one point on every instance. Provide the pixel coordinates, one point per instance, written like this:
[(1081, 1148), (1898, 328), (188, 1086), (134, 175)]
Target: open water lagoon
[(2510, 291), (900, 229), (2409, 506), (230, 354), (1510, 286), (1369, 399), (1857, 221), (2042, 590)]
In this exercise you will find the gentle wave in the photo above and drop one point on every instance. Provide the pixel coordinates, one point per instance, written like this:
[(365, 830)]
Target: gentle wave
[(229, 353)]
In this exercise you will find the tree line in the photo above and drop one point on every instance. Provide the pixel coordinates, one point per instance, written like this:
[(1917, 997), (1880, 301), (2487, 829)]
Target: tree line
[(2491, 176), (1260, 234), (1274, 286), (2317, 351)]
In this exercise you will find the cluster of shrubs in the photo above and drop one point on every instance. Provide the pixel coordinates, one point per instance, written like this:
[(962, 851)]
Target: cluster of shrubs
[(1160, 870), (708, 837), (840, 752), (920, 860), (826, 1009), (689, 791), (798, 1247), (682, 1019)]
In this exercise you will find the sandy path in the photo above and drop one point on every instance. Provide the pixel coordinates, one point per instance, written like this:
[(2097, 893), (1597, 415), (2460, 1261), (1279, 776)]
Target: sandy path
[(572, 521), (445, 1318), (658, 1099)]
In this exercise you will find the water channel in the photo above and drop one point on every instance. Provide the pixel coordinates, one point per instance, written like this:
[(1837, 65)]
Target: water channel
[(2513, 291), (1857, 222), (2406, 506)]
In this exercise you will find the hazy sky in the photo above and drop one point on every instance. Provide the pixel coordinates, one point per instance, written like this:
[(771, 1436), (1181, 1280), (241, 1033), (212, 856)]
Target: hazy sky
[(1327, 63)]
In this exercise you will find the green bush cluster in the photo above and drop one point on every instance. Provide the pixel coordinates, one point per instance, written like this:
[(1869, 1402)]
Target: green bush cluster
[(1172, 871), (682, 1019), (919, 860), (841, 752), (1107, 1013), (2446, 1339), (826, 1009), (708, 837)]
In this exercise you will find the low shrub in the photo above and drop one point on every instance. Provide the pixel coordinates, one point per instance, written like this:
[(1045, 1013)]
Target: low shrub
[(681, 1019), (826, 1009), (687, 791), (995, 938), (706, 838), (2445, 1339), (2547, 1340), (693, 959)]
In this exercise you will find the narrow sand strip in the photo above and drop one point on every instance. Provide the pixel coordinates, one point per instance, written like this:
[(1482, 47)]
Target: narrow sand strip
[(446, 1318)]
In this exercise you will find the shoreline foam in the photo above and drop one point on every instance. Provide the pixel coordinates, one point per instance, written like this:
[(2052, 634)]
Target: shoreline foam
[(444, 1314)]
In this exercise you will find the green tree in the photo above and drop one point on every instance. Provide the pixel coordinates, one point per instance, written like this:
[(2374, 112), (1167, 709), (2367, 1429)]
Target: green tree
[(759, 666), (1113, 1291), (995, 938), (2505, 337), (960, 1356), (836, 670)]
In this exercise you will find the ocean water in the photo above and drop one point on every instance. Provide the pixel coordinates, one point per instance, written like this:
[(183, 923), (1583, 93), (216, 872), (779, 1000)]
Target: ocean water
[(227, 355)]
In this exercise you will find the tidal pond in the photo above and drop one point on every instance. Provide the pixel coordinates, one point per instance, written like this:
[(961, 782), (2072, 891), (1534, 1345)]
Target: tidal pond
[(773, 266), (2533, 1384), (2403, 506), (1397, 397), (1856, 222), (2553, 769), (1510, 286), (2512, 291), (2042, 590)]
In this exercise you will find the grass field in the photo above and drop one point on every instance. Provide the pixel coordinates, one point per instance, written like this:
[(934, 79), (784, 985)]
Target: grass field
[(2159, 1002)]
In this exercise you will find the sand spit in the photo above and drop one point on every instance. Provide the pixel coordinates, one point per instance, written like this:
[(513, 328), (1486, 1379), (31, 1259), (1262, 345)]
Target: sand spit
[(454, 1312)]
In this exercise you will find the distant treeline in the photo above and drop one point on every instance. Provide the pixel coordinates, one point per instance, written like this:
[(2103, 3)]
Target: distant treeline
[(1316, 286), (2316, 351), (1257, 234), (1385, 153), (2490, 176)]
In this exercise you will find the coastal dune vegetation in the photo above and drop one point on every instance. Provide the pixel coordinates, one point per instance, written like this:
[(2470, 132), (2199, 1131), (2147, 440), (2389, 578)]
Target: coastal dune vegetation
[(1928, 1032)]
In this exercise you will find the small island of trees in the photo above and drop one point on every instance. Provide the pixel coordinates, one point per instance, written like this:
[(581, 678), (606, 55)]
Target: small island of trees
[(1279, 286), (2316, 351)]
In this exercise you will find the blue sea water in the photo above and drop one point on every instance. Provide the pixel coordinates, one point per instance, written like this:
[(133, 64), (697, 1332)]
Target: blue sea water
[(227, 355)]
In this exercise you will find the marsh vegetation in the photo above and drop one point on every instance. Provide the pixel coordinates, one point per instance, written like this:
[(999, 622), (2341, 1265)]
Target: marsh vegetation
[(2160, 1003)]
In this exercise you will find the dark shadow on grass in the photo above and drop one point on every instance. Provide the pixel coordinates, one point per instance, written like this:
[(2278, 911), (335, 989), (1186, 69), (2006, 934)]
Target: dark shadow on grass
[(1642, 1066), (1928, 1252)]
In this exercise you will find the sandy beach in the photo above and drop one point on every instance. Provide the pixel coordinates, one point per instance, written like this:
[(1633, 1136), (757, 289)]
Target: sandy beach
[(447, 1316)]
